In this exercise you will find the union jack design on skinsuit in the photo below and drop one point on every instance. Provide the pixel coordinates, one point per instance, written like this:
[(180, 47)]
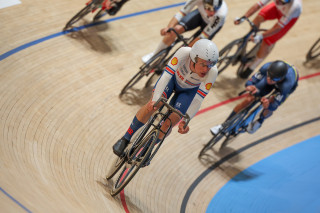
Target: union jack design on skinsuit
[(169, 70), (192, 84), (202, 93)]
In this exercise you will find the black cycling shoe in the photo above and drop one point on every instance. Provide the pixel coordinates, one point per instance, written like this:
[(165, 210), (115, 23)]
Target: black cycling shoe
[(245, 74), (120, 146)]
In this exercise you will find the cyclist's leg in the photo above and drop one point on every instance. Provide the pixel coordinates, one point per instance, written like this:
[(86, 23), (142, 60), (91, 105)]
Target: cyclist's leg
[(142, 116), (180, 101)]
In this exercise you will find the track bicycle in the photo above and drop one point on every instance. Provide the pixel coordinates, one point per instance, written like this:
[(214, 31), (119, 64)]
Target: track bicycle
[(314, 51), (143, 148), (156, 64), (237, 124), (93, 6), (236, 51)]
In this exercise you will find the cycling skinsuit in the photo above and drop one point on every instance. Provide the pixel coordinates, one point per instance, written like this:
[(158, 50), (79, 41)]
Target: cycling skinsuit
[(286, 14), (190, 89), (284, 88), (209, 25)]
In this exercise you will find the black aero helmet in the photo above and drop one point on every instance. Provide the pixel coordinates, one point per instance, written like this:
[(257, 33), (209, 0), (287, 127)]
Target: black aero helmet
[(212, 5), (277, 70)]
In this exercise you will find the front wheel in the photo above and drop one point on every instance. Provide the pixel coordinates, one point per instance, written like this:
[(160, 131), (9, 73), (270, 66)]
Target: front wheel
[(138, 157), (211, 143), (87, 9), (153, 65), (116, 165), (99, 14), (229, 54), (314, 51)]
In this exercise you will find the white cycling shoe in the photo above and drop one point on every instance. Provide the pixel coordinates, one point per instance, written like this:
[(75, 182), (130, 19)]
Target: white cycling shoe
[(215, 130), (147, 57), (253, 127)]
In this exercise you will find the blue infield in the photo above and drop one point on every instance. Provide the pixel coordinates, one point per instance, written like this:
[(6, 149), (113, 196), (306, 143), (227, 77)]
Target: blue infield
[(287, 182)]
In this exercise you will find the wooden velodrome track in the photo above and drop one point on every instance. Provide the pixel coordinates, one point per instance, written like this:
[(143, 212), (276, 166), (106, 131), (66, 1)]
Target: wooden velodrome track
[(60, 111)]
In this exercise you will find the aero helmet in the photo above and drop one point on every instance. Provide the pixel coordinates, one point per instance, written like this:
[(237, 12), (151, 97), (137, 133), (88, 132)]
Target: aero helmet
[(206, 50), (212, 5), (277, 70)]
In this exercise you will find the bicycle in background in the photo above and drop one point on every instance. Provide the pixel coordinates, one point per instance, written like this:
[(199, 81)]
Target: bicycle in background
[(142, 148), (237, 124), (155, 65), (236, 51), (314, 51), (110, 7)]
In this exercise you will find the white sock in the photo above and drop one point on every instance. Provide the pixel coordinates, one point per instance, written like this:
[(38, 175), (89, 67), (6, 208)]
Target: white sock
[(160, 47), (255, 63)]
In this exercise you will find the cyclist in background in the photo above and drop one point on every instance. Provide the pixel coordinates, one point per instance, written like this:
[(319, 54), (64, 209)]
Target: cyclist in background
[(276, 75), (190, 74), (210, 15), (286, 11)]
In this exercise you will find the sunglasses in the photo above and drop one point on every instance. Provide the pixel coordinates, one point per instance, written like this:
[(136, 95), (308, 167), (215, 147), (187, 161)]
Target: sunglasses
[(209, 7), (208, 64), (284, 1), (274, 79)]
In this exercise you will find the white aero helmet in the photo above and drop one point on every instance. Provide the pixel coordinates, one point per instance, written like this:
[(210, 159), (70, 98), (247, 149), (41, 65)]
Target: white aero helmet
[(206, 50)]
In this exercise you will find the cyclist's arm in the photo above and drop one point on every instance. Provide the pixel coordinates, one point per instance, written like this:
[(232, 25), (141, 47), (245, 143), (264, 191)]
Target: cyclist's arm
[(168, 73), (189, 5), (202, 92), (258, 76), (213, 27)]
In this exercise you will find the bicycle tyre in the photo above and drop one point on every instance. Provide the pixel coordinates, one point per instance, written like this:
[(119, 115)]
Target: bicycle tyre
[(87, 9), (249, 57), (99, 14), (116, 165), (128, 173), (145, 70), (225, 57), (213, 141), (314, 51)]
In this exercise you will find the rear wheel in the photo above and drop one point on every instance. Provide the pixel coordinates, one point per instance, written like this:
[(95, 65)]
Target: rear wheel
[(99, 15), (137, 159), (228, 54), (242, 71)]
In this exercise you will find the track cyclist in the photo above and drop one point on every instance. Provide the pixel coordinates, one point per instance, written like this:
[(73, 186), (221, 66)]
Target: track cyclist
[(189, 74), (210, 15), (277, 75), (286, 11)]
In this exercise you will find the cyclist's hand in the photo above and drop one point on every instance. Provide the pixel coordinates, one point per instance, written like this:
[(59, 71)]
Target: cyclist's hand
[(164, 31), (181, 129), (151, 106), (238, 20), (265, 102), (252, 89), (107, 4), (257, 38)]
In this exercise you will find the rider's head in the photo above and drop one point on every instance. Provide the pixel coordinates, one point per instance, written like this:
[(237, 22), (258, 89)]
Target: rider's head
[(284, 1), (205, 53), (212, 6), (277, 71)]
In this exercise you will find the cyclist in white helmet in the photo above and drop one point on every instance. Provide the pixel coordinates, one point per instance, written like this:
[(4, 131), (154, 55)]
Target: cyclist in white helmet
[(210, 15), (190, 73)]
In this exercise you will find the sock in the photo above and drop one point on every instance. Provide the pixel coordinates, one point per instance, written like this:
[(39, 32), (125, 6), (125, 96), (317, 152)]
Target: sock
[(135, 125), (255, 63), (160, 47)]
